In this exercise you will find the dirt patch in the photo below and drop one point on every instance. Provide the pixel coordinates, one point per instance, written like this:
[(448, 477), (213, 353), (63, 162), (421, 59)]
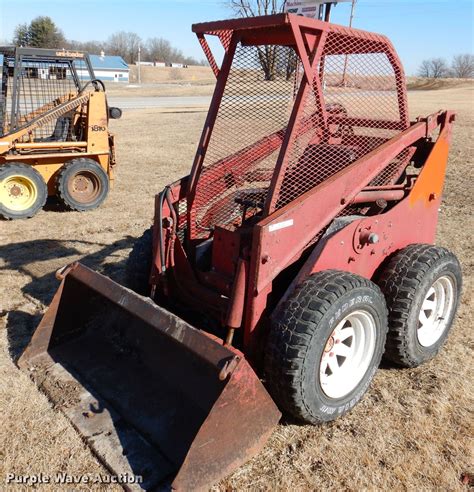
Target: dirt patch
[(62, 394), (411, 431)]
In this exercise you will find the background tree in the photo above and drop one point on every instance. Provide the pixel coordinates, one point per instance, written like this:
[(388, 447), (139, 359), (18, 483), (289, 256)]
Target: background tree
[(462, 66), (435, 68), (94, 47), (425, 69), (160, 50), (124, 44), (267, 55), (252, 8), (42, 32), (439, 68), (21, 35)]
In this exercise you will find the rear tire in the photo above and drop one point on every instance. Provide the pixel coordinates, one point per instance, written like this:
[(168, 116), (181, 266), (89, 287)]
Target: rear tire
[(82, 185), (23, 191), (325, 345), (422, 285), (139, 263)]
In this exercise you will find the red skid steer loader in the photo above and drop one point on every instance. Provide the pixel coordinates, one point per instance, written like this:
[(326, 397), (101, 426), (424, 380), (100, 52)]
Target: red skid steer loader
[(298, 250)]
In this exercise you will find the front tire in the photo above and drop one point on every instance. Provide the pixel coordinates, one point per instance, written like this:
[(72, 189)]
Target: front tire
[(325, 345), (422, 285), (23, 191), (82, 185)]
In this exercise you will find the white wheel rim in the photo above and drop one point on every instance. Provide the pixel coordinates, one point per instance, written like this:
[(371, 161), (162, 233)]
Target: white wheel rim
[(347, 354), (435, 311)]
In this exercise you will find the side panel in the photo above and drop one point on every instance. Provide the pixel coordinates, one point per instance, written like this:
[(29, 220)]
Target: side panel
[(97, 135), (413, 220), (281, 239), (285, 234)]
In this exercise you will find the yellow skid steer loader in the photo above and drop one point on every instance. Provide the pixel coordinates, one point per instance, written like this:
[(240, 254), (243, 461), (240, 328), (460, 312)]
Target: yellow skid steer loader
[(54, 137)]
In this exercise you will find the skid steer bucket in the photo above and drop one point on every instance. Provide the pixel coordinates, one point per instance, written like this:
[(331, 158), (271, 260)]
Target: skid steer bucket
[(150, 394)]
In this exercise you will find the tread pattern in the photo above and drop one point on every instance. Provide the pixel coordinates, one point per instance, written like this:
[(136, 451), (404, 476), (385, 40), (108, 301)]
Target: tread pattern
[(60, 184), (43, 196), (400, 282), (290, 337)]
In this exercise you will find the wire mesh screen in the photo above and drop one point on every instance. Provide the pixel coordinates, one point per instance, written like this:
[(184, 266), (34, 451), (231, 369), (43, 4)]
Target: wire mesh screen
[(3, 94), (39, 87), (362, 112), (247, 137)]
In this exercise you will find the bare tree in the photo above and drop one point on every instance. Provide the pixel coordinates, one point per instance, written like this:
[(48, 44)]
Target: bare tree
[(462, 66), (267, 55), (93, 47), (439, 68), (252, 8), (160, 49), (435, 68), (124, 44), (42, 32), (425, 69)]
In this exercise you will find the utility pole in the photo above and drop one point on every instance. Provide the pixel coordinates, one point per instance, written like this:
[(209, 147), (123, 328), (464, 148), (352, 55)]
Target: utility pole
[(351, 18), (352, 12), (139, 66)]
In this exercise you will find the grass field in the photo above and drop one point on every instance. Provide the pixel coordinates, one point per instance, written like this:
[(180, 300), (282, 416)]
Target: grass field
[(414, 428)]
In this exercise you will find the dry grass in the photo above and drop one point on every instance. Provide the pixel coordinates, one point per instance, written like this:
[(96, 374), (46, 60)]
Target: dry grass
[(153, 75), (420, 83), (414, 428), (165, 81), (160, 90), (186, 85)]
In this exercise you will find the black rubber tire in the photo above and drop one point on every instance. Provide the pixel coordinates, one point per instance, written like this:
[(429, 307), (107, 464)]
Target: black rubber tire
[(17, 168), (138, 266), (298, 336), (69, 171), (405, 282)]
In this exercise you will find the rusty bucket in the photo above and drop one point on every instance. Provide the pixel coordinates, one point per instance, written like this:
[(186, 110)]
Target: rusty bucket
[(150, 394)]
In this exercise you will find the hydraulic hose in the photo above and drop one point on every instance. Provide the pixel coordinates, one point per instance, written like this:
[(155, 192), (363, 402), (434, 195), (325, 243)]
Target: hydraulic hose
[(160, 230)]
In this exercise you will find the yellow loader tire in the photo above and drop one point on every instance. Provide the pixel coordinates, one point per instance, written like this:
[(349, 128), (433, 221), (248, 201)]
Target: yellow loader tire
[(23, 191), (82, 184)]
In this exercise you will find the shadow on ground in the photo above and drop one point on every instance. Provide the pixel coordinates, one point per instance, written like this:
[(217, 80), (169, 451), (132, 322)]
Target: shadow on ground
[(100, 358), (21, 256)]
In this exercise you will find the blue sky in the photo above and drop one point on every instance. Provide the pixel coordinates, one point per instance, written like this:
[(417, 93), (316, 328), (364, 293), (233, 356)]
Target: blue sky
[(419, 29)]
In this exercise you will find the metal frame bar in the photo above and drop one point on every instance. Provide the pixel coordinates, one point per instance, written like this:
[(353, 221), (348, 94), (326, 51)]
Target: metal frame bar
[(15, 93), (307, 83), (47, 56), (209, 124)]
